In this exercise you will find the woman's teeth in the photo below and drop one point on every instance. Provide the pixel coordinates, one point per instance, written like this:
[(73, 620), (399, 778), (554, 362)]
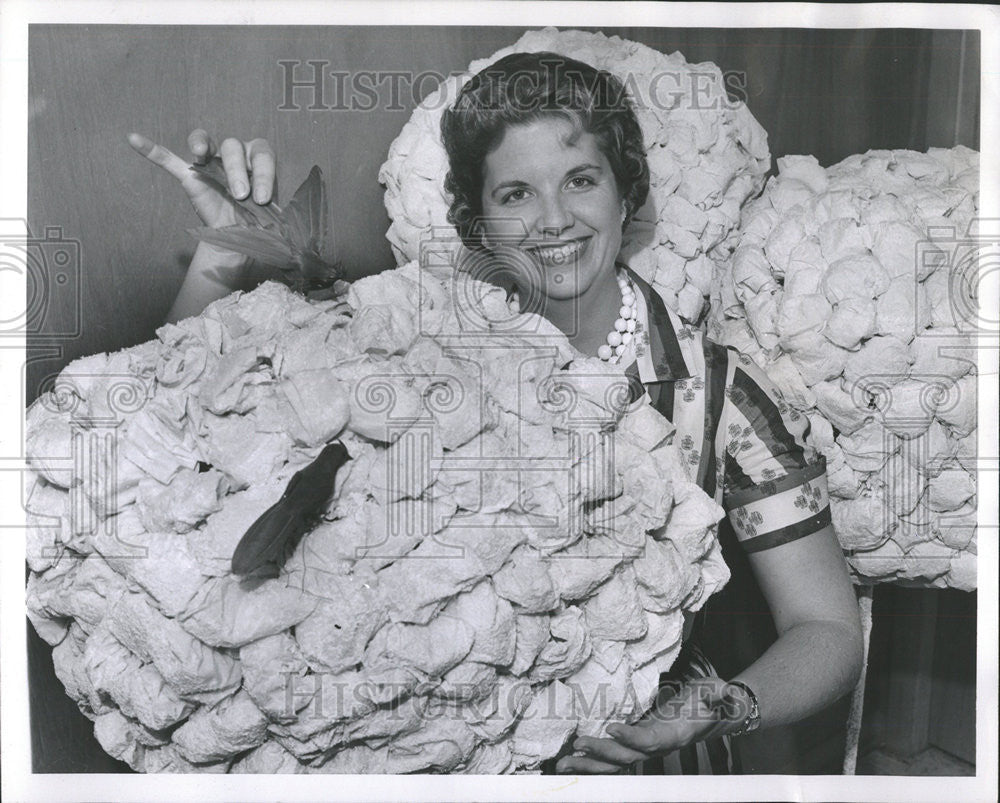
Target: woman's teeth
[(552, 255)]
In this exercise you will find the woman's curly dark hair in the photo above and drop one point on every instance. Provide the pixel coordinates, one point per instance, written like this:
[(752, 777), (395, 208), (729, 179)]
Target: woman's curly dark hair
[(522, 88)]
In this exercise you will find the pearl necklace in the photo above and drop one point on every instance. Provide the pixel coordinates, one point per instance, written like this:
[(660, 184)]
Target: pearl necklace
[(621, 336), (623, 333)]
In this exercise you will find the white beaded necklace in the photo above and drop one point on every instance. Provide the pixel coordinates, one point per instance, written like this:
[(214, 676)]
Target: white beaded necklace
[(621, 336), (623, 333)]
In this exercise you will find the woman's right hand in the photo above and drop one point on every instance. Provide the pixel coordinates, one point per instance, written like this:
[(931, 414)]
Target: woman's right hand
[(245, 163), (214, 272)]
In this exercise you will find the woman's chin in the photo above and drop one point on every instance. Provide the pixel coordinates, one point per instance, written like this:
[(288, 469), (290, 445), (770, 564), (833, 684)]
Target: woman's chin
[(572, 284), (561, 291)]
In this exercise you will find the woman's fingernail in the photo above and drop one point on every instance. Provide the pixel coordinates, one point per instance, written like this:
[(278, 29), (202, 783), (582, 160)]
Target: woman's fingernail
[(258, 196), (239, 188)]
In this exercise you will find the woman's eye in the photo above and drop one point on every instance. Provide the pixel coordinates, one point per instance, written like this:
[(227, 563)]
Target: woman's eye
[(580, 181), (514, 195)]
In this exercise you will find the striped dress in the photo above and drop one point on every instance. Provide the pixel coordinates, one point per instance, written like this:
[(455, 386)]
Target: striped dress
[(744, 446)]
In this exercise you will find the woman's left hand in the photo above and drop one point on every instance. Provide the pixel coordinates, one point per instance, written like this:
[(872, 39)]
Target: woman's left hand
[(702, 709)]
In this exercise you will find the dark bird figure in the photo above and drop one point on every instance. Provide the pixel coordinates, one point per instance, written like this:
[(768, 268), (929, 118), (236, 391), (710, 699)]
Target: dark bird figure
[(271, 540)]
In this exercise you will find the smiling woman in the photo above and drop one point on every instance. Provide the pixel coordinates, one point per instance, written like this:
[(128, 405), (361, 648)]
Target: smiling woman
[(570, 211), (551, 167), (543, 189), (546, 160)]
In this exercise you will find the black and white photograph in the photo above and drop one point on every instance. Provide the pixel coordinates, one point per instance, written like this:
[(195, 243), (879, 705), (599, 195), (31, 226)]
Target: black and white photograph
[(570, 393)]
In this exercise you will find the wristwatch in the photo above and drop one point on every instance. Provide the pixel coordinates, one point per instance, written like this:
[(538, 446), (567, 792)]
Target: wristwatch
[(752, 720)]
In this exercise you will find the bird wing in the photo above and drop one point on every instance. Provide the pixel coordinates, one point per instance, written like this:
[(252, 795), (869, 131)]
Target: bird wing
[(260, 244)]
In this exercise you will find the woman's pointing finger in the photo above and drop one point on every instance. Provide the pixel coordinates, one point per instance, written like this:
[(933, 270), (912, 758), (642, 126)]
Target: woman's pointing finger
[(159, 155)]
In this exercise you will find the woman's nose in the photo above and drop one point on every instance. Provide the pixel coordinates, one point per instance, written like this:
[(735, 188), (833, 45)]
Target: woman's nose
[(555, 217)]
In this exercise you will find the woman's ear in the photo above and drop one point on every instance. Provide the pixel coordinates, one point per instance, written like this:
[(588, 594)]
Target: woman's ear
[(480, 231)]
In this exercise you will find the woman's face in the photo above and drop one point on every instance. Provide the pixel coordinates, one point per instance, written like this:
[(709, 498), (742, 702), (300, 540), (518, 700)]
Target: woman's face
[(549, 192)]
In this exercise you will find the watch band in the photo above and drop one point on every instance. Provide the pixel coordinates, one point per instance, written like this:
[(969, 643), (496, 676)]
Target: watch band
[(752, 720)]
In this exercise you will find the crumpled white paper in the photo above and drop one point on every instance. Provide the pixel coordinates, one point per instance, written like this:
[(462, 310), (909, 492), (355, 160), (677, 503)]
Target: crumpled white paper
[(859, 269), (473, 567)]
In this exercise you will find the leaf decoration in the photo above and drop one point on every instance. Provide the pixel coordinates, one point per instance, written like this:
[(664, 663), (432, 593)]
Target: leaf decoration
[(305, 215), (275, 534), (267, 215), (263, 246), (293, 239), (259, 244)]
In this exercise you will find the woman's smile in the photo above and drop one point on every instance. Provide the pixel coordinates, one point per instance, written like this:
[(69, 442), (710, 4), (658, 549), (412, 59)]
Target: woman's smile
[(560, 253)]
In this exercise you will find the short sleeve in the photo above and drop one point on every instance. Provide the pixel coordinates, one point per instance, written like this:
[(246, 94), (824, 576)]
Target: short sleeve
[(775, 488)]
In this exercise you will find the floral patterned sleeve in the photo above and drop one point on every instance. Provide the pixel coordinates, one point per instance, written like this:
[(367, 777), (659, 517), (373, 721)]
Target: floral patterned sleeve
[(774, 483)]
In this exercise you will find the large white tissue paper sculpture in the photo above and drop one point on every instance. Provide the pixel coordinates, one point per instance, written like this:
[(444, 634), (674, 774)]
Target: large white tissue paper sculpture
[(854, 288), (491, 577), (707, 156)]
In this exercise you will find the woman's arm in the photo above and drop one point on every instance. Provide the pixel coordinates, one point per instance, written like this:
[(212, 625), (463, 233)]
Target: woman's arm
[(214, 272), (818, 653), (815, 660), (817, 657)]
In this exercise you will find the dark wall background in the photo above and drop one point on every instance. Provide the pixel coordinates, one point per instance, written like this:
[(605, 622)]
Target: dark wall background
[(829, 93)]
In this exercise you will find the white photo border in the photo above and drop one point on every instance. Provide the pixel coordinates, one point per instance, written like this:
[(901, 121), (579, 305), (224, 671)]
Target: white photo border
[(18, 782)]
